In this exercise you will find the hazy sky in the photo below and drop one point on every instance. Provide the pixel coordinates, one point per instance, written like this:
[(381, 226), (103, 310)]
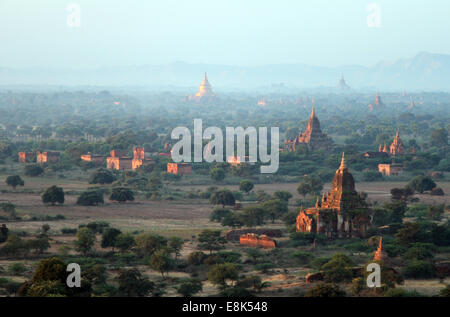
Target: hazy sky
[(233, 32)]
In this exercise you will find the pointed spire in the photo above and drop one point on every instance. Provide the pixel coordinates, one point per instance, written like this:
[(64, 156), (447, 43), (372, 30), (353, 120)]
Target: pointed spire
[(343, 165), (313, 113), (380, 245), (397, 135)]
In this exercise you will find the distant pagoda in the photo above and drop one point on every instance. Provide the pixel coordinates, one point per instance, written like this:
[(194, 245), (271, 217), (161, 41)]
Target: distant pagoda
[(342, 84), (378, 103), (204, 91), (313, 136)]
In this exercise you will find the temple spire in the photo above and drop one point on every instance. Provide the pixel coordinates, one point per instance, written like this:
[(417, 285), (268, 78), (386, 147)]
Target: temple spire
[(343, 165), (313, 113)]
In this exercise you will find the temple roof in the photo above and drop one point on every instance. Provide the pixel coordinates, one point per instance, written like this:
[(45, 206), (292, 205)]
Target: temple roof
[(343, 179)]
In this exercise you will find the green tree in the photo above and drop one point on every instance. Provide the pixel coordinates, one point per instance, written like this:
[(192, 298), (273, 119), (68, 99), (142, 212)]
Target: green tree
[(133, 284), (338, 268), (14, 181), (161, 261), (219, 274), (147, 243), (310, 185), (422, 183), (33, 170), (325, 290), (283, 195), (218, 214), (189, 287), (85, 240), (175, 245), (125, 241), (217, 173), (246, 186), (90, 198), (211, 240), (439, 137), (222, 197), (101, 176), (274, 208), (122, 194), (109, 237), (53, 195)]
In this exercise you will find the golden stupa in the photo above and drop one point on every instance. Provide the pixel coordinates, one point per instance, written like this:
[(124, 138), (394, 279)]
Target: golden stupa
[(205, 89)]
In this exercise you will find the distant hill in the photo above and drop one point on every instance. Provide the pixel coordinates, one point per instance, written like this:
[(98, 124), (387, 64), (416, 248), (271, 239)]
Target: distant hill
[(425, 71)]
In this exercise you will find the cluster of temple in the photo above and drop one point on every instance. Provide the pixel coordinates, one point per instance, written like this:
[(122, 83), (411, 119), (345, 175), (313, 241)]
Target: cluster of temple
[(254, 240), (39, 157), (341, 213), (313, 136), (119, 161), (395, 149)]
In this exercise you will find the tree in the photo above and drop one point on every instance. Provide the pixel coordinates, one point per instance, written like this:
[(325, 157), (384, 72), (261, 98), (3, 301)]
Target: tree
[(175, 245), (124, 242), (274, 208), (410, 233), (33, 170), (211, 240), (252, 216), (10, 209), (133, 284), (283, 195), (439, 137), (325, 290), (3, 233), (217, 173), (246, 186), (85, 240), (101, 176), (53, 195), (190, 287), (396, 211), (147, 243), (310, 185), (218, 214), (402, 194), (161, 261), (90, 198), (14, 181), (219, 274), (222, 197), (338, 269), (109, 237), (122, 194), (422, 183)]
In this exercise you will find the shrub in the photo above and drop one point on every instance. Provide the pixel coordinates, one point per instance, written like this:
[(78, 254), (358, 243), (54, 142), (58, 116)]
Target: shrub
[(90, 198), (419, 269)]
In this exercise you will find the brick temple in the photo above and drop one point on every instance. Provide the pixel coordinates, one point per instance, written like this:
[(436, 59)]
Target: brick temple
[(313, 136), (341, 213)]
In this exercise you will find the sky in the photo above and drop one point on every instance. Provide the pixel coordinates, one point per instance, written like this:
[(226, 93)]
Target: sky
[(45, 33)]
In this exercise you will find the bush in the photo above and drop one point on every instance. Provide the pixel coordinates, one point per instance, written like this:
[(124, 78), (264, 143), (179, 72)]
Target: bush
[(33, 170), (68, 230), (53, 195), (90, 198), (122, 194), (218, 214), (102, 176), (419, 269)]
